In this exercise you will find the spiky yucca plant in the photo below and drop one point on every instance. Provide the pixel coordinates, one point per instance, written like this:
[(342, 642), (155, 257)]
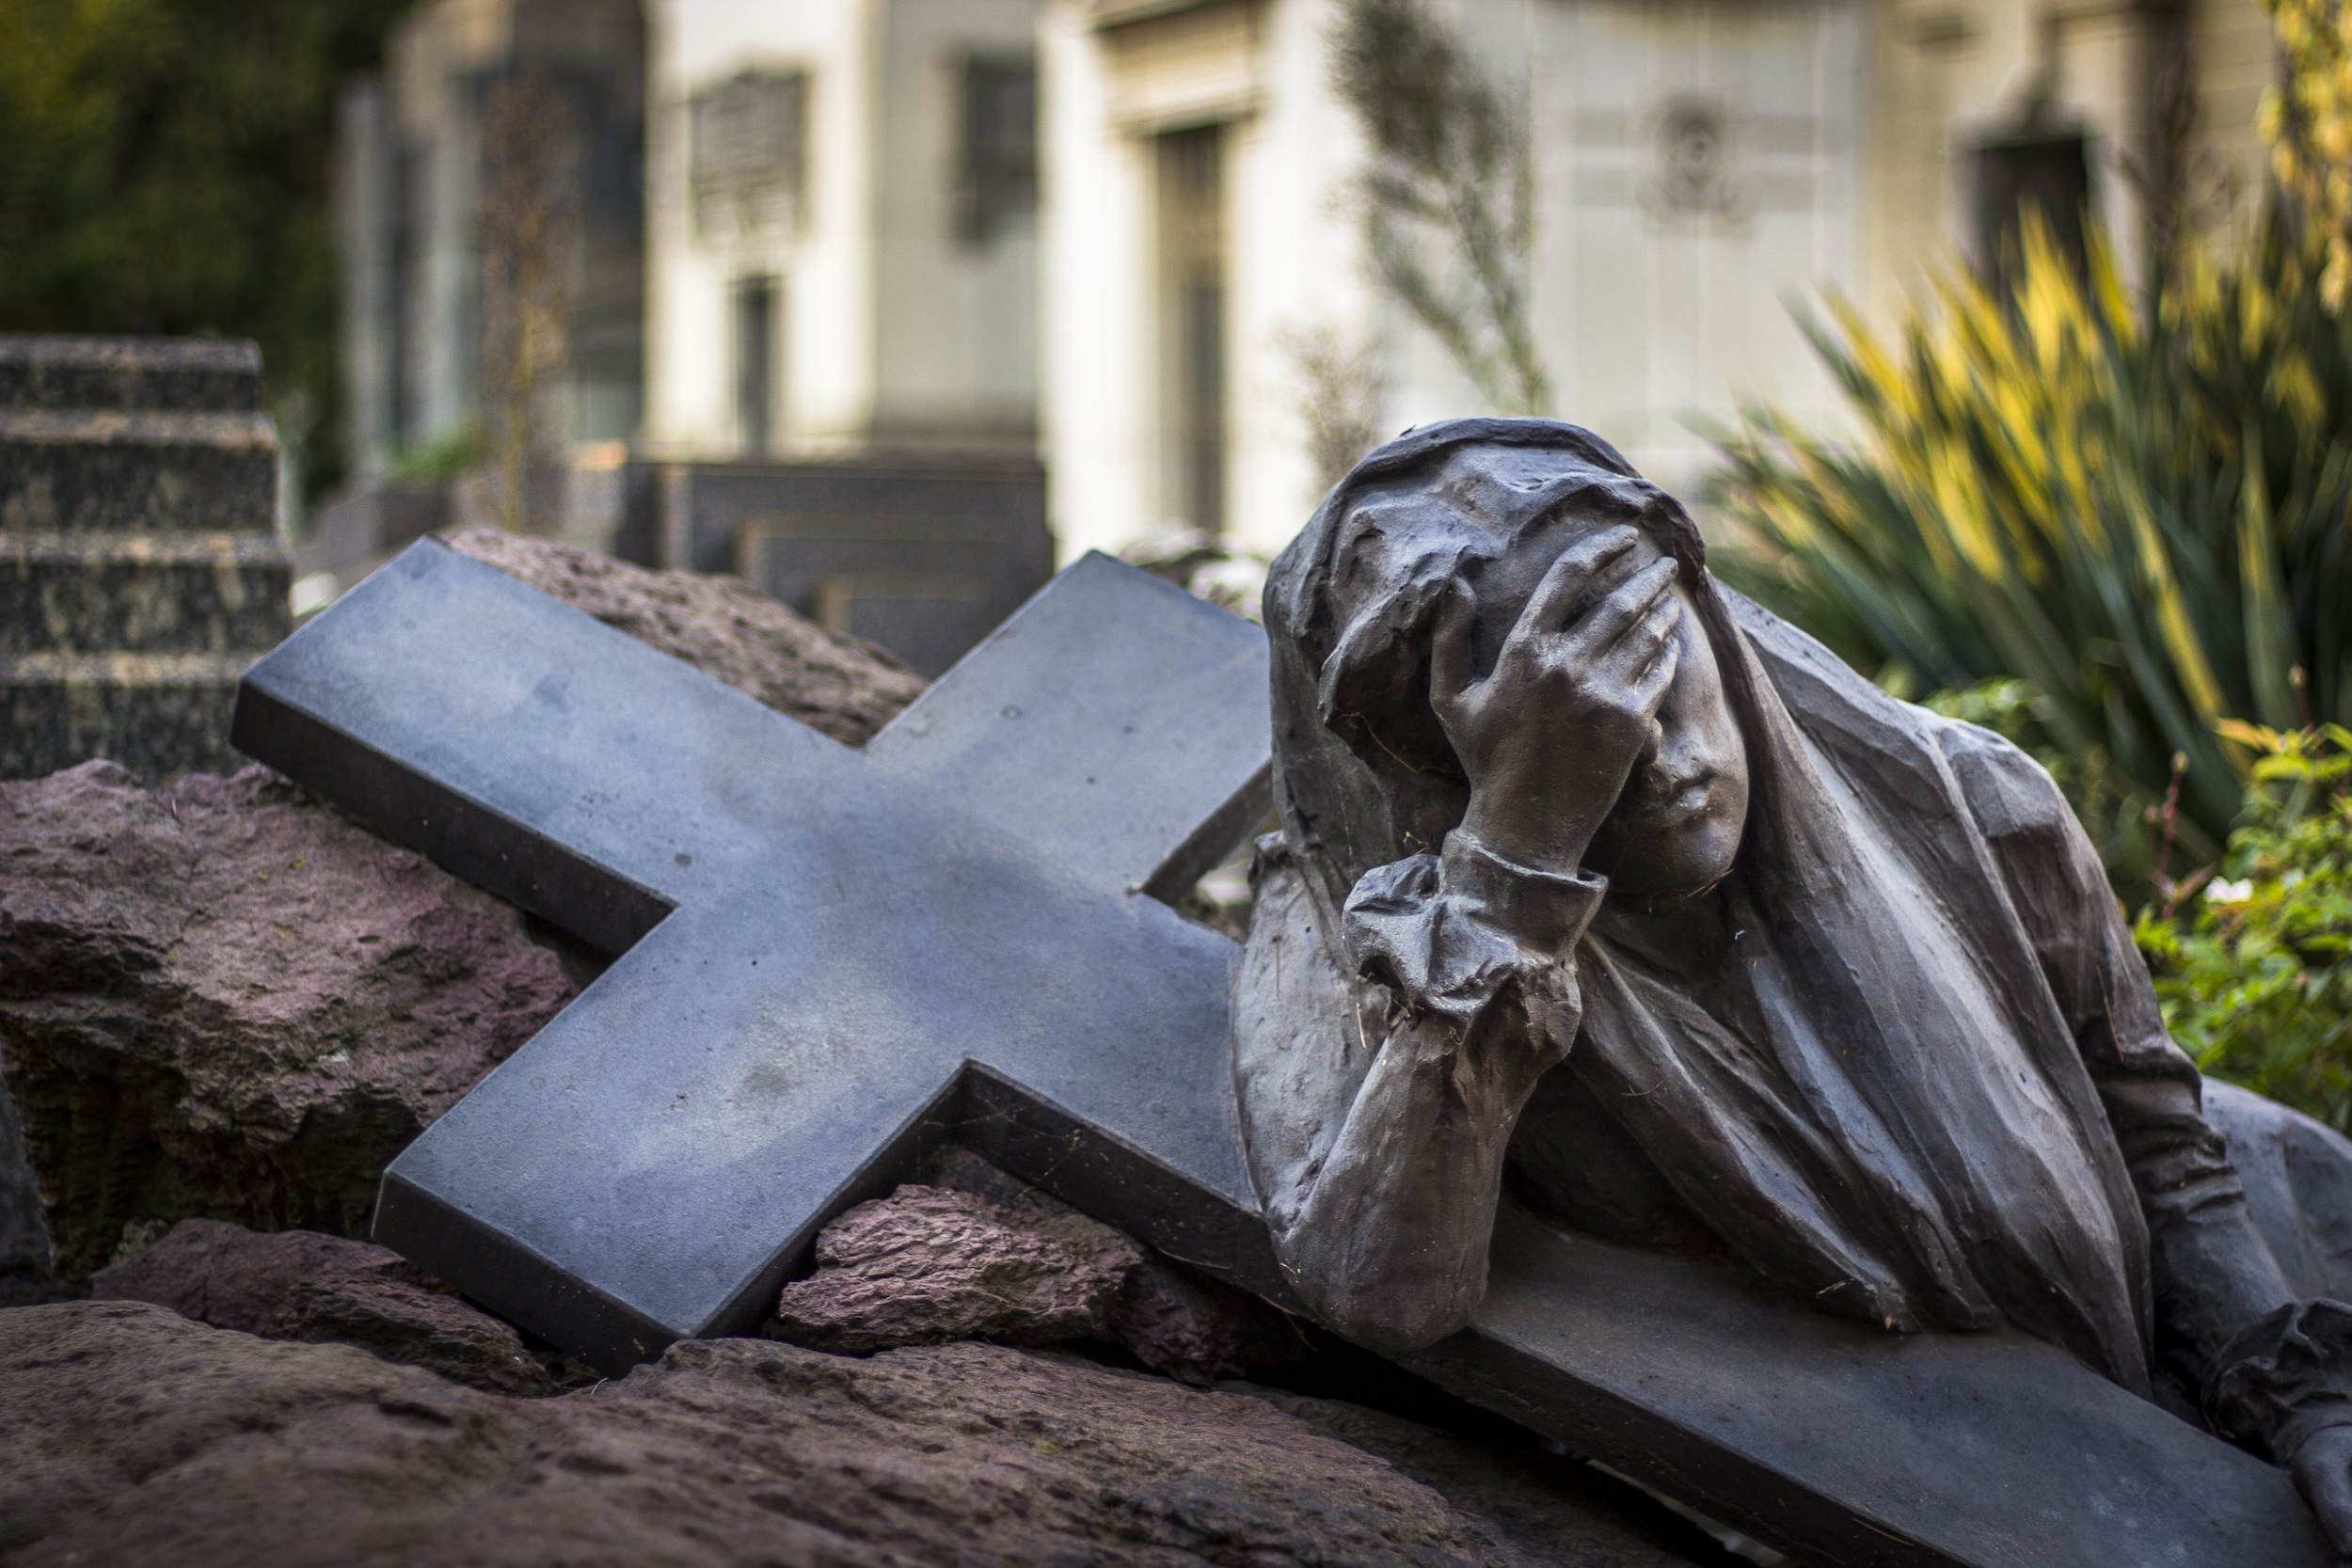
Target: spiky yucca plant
[(2141, 514)]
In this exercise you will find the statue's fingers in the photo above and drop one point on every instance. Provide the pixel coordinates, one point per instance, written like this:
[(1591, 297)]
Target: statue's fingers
[(1450, 645), (1631, 606), (1640, 642), (1568, 578), (1649, 687)]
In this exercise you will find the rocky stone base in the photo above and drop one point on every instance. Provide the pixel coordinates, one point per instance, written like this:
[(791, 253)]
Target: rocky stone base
[(301, 1285), (222, 999), (984, 1256), (130, 1436), (838, 685)]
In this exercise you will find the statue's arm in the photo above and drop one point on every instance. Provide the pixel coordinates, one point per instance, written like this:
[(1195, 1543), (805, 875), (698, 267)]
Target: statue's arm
[(2268, 1367), (1377, 1139)]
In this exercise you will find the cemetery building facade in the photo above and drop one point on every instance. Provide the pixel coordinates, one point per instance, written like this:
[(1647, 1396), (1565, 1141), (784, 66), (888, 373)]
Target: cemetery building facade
[(410, 212), (1697, 167), (1098, 236), (842, 247)]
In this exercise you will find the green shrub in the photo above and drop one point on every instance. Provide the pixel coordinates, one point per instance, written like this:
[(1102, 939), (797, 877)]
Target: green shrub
[(2140, 512), (436, 461), (2255, 976)]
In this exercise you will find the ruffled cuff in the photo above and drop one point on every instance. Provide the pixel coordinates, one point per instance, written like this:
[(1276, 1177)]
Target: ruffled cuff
[(1447, 934), (2285, 1378)]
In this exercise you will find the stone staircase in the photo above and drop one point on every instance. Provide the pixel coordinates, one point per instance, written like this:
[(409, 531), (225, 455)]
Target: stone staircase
[(140, 569)]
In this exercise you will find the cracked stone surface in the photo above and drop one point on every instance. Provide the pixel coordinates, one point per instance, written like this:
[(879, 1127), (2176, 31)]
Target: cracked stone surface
[(304, 1285), (131, 1435), (979, 1254)]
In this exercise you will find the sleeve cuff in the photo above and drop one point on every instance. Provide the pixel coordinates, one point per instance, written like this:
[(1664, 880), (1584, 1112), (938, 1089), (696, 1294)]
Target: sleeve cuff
[(1545, 912), (2285, 1378), (1446, 934)]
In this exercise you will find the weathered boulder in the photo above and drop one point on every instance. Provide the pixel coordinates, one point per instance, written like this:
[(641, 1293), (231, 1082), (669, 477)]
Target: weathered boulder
[(926, 1265), (306, 1285), (983, 1255), (225, 999), (130, 1436), (844, 686), (1546, 1501)]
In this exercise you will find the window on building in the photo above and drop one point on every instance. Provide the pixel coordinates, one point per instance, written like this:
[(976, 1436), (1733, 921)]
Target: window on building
[(749, 152), (1192, 323), (2037, 168), (999, 165), (756, 391)]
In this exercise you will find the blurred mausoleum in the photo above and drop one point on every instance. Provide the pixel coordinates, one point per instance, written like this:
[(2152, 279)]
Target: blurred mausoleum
[(1699, 165), (853, 277)]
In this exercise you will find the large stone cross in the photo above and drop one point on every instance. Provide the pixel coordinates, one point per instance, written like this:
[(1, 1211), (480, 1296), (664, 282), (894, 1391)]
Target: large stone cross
[(831, 956), (826, 955)]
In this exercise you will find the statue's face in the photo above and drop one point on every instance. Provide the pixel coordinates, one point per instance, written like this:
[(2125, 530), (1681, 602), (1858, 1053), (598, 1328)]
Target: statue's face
[(1677, 827)]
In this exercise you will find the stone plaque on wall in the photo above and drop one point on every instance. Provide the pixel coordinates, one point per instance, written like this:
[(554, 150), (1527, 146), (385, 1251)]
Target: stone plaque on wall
[(750, 152)]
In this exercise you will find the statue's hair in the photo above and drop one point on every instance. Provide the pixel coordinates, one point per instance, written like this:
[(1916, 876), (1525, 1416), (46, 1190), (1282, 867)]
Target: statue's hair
[(1364, 771)]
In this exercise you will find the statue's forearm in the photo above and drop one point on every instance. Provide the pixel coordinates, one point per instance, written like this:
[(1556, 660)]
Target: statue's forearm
[(1388, 1240)]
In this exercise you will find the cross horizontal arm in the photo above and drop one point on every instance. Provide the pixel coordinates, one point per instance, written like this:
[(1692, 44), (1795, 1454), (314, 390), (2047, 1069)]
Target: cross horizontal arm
[(526, 746)]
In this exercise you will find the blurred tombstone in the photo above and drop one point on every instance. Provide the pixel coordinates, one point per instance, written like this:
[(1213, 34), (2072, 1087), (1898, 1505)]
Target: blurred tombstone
[(140, 567), (924, 555)]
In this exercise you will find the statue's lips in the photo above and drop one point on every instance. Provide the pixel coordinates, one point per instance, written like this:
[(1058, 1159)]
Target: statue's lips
[(1671, 804)]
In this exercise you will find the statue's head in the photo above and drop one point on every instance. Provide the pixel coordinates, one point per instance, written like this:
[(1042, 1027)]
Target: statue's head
[(1479, 510)]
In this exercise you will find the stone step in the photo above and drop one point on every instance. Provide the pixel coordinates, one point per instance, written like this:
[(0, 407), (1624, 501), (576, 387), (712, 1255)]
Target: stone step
[(68, 469), (159, 715), (143, 593), (196, 373)]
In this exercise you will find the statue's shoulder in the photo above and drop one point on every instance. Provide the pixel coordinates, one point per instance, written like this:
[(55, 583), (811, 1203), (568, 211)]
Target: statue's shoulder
[(2011, 794)]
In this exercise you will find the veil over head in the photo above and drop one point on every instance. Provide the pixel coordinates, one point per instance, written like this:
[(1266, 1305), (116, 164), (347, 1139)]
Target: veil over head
[(1899, 1121), (1366, 773)]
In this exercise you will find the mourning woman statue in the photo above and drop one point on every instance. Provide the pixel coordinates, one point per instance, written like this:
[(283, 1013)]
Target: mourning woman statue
[(1601, 888)]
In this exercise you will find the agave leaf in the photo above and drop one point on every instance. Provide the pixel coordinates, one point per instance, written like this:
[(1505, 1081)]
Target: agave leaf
[(2146, 514)]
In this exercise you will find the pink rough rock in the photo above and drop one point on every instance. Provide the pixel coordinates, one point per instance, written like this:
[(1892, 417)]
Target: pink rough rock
[(223, 998), (1002, 1261), (129, 1436), (925, 1265), (843, 686), (305, 1285)]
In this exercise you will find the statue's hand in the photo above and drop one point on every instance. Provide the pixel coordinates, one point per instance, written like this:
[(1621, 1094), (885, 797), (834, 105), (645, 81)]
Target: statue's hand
[(1549, 737), (2322, 1469)]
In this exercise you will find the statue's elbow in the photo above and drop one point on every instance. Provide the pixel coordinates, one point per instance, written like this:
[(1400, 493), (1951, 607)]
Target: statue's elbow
[(1402, 1333), (1373, 1286), (1392, 1317)]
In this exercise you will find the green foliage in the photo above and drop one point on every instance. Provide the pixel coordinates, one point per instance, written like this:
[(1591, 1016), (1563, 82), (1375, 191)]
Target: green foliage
[(2141, 513), (2256, 978), (432, 462), (1450, 166), (164, 167)]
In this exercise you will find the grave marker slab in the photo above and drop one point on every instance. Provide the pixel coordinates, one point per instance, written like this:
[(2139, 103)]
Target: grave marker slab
[(140, 569), (831, 956)]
